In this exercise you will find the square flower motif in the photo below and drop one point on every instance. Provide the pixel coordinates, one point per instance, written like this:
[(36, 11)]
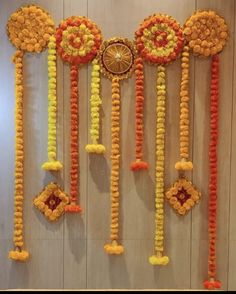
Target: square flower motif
[(52, 201), (182, 196)]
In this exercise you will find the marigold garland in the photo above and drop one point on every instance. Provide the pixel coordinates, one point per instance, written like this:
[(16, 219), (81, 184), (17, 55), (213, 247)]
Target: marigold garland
[(52, 163), (95, 102), (206, 34), (159, 40), (139, 164), (116, 58), (77, 41), (29, 30)]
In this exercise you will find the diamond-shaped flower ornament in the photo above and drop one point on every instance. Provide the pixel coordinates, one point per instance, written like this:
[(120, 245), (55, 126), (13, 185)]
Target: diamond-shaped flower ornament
[(183, 196), (52, 201)]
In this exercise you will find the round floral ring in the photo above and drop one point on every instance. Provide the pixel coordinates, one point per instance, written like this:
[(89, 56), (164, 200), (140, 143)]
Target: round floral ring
[(117, 57), (206, 33), (159, 39), (78, 40), (29, 28)]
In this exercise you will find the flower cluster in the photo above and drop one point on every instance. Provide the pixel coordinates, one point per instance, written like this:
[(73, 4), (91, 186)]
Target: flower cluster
[(18, 253), (213, 174), (78, 40), (52, 163), (139, 89), (159, 39), (74, 137), (95, 102), (30, 28), (159, 259), (182, 196), (114, 248), (51, 201), (184, 164), (206, 33)]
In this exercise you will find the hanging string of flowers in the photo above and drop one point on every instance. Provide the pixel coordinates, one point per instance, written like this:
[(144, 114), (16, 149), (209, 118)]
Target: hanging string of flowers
[(52, 163), (206, 34), (77, 41), (159, 40), (24, 33), (116, 58), (139, 164), (95, 102)]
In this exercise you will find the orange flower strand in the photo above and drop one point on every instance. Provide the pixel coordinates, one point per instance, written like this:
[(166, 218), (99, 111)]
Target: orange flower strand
[(18, 253), (139, 164), (212, 283), (74, 146), (184, 164), (114, 248)]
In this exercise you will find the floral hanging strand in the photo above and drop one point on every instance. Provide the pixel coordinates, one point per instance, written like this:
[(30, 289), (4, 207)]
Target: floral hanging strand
[(74, 144), (52, 163), (206, 34), (95, 102), (159, 40), (21, 26), (78, 40), (159, 258), (139, 164), (19, 254), (183, 195), (116, 58)]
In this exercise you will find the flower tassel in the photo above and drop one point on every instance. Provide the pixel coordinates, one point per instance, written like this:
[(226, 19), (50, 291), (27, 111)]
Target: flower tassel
[(139, 164), (114, 248), (52, 164), (18, 254), (95, 102), (212, 283), (184, 164), (159, 258), (74, 146)]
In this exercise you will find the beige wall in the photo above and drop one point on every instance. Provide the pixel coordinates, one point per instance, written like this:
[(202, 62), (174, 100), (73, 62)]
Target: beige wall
[(69, 253)]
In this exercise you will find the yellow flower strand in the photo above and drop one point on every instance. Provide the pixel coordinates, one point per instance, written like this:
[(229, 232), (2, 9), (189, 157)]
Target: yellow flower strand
[(184, 164), (114, 248), (52, 163), (158, 258), (95, 102), (18, 253)]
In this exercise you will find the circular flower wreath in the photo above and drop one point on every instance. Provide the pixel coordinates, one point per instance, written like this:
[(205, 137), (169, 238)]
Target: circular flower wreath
[(159, 39), (29, 28), (206, 33), (78, 40)]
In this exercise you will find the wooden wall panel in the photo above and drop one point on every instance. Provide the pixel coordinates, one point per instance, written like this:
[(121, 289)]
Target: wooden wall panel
[(201, 163), (69, 253)]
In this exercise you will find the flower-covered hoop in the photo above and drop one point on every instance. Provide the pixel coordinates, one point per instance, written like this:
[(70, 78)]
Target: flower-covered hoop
[(78, 40), (116, 58), (206, 34), (159, 40), (29, 29)]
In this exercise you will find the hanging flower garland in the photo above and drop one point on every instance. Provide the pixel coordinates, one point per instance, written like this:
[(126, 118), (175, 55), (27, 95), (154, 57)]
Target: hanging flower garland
[(78, 40), (52, 164), (206, 34), (159, 40), (29, 30), (95, 102), (183, 195), (116, 59)]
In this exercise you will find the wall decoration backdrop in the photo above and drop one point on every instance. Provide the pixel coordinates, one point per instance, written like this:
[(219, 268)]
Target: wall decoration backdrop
[(69, 253)]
